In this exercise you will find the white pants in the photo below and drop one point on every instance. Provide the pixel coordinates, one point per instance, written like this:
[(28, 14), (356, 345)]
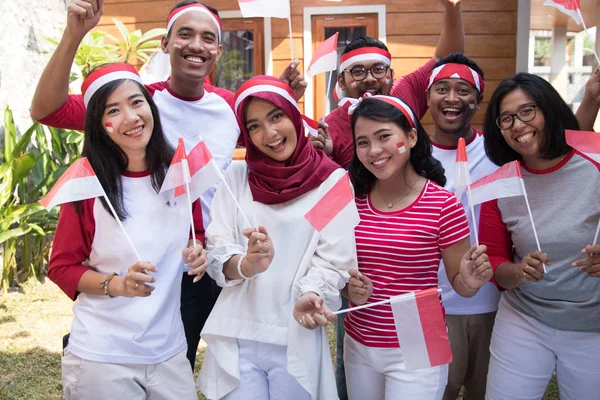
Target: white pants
[(171, 379), (379, 373), (264, 374), (524, 354)]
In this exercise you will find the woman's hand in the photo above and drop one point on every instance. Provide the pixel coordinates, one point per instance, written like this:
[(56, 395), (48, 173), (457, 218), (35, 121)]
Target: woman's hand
[(310, 311), (360, 288), (531, 268), (196, 259), (591, 264), (135, 283), (475, 267), (260, 252)]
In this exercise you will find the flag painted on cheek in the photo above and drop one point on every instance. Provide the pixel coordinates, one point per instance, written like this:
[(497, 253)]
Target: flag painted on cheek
[(401, 147)]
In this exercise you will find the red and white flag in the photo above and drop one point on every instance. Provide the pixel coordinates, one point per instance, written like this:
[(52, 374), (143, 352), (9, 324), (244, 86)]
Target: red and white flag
[(78, 182), (505, 182), (176, 177), (421, 329), (265, 8), (311, 126), (570, 7), (325, 58), (462, 177), (585, 143), (204, 171), (335, 214)]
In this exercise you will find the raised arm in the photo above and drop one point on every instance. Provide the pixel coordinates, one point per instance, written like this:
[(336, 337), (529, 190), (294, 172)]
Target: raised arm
[(452, 38), (53, 88), (589, 107)]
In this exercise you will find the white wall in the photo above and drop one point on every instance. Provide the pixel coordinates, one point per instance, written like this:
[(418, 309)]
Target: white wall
[(23, 23)]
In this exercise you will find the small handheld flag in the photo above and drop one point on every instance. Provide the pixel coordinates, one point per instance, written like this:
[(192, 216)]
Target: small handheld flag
[(462, 179), (266, 9), (79, 182), (324, 60)]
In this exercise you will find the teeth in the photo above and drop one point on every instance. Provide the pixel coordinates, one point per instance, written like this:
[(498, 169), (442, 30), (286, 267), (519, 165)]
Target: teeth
[(456, 110), (380, 161), (524, 138), (194, 59), (133, 131), (275, 143)]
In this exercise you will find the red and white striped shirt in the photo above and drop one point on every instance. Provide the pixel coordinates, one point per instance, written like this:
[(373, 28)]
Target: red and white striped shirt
[(400, 252)]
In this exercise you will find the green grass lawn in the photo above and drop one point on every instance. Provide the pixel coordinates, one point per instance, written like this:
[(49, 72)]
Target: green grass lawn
[(33, 321)]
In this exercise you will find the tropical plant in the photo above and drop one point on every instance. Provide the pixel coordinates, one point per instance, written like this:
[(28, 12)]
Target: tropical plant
[(29, 167), (135, 46)]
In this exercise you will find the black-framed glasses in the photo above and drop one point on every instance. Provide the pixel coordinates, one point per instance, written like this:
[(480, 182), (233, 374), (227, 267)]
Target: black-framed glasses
[(359, 73), (525, 114)]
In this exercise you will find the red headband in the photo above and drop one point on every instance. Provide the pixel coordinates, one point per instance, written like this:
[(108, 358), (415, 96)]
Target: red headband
[(351, 104), (456, 71), (364, 54), (178, 12), (104, 75)]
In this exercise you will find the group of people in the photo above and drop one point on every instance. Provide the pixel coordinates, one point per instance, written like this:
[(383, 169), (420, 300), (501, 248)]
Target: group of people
[(262, 283)]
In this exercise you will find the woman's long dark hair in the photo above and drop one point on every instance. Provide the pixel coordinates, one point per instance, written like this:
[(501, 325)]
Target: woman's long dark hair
[(420, 155), (107, 158), (557, 117)]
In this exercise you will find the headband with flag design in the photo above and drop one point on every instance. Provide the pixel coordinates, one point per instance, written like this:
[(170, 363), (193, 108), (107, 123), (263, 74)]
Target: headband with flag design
[(106, 74), (456, 71), (280, 88), (178, 12), (350, 104), (365, 54)]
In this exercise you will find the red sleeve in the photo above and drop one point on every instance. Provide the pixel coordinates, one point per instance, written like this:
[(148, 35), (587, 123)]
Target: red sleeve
[(72, 246), (340, 131), (198, 221), (454, 226), (494, 234), (71, 115), (411, 88)]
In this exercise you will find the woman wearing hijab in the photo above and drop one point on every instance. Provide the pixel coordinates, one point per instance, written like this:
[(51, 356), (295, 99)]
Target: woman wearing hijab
[(279, 275)]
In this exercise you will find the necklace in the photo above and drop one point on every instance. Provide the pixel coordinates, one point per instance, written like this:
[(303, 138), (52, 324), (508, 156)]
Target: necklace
[(391, 204)]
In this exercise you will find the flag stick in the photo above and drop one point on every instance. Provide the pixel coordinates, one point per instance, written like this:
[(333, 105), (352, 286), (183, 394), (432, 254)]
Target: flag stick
[(596, 235), (401, 297), (537, 240), (291, 40), (472, 213), (328, 76), (234, 199), (114, 213), (187, 179), (588, 36)]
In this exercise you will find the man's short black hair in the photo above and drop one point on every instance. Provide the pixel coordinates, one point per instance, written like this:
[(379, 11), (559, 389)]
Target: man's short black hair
[(459, 58)]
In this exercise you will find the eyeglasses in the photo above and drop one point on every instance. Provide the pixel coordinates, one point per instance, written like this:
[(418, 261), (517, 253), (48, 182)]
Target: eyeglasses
[(525, 114), (360, 73)]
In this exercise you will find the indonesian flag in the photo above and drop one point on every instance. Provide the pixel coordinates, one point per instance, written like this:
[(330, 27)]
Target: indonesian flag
[(570, 7), (335, 214), (325, 57), (198, 169), (462, 177), (265, 8), (176, 175), (505, 182), (79, 182), (310, 126), (421, 329), (585, 143)]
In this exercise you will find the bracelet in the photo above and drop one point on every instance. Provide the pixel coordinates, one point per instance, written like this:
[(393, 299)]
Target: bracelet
[(463, 282), (239, 268), (104, 285)]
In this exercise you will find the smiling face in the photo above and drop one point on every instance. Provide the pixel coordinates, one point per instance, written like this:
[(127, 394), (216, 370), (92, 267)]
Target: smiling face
[(526, 138), (357, 89), (383, 147), (271, 130), (453, 104), (193, 46), (127, 118)]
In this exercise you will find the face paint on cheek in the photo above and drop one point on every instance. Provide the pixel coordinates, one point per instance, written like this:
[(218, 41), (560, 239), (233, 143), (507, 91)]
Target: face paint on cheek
[(178, 45), (472, 105), (353, 84), (401, 147), (387, 81), (109, 127)]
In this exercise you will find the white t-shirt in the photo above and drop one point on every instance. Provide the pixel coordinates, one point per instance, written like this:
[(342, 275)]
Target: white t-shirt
[(486, 300)]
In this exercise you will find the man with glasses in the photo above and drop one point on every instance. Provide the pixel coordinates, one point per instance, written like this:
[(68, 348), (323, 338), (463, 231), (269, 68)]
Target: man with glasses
[(365, 67)]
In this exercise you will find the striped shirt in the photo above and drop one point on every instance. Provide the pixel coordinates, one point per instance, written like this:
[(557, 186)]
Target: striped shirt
[(400, 252)]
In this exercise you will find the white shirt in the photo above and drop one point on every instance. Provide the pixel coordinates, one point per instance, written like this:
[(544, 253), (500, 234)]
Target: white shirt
[(487, 298), (260, 309)]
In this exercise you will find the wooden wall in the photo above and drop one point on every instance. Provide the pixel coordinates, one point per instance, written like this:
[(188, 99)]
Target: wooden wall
[(413, 28)]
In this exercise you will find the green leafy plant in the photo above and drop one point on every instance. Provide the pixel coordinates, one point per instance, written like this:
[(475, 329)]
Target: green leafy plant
[(29, 167), (133, 46)]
